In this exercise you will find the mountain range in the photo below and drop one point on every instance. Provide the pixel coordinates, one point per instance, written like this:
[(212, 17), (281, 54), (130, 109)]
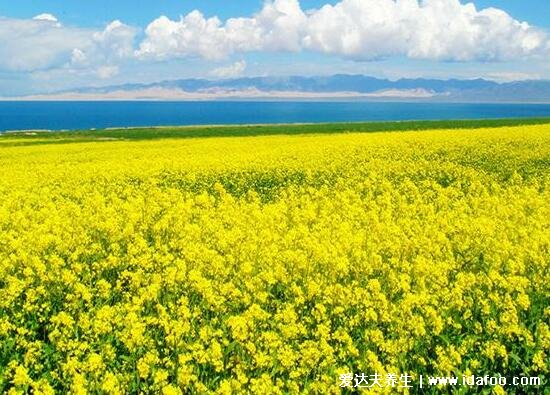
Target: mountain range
[(340, 86)]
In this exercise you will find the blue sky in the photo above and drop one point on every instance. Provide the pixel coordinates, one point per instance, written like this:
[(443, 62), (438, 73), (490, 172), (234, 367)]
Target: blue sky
[(141, 12), (49, 45)]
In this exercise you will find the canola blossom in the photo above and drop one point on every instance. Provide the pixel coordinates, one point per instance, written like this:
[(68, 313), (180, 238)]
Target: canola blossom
[(273, 264)]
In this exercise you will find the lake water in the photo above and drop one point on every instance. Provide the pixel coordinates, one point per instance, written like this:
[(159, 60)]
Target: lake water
[(87, 115)]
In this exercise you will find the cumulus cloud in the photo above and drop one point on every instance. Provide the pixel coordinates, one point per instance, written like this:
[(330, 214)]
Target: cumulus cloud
[(431, 29), (191, 35), (233, 70), (103, 49), (116, 41), (355, 29), (43, 43), (277, 27), (444, 30)]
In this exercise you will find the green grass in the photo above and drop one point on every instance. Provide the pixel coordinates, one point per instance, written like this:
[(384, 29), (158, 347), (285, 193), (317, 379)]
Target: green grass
[(41, 137)]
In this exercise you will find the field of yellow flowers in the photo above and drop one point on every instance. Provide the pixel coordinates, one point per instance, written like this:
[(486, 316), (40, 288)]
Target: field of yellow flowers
[(273, 264)]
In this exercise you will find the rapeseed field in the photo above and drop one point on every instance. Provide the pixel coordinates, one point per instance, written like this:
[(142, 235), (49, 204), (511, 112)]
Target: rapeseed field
[(273, 264)]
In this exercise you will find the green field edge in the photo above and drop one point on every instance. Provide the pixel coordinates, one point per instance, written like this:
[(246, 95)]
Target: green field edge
[(30, 137)]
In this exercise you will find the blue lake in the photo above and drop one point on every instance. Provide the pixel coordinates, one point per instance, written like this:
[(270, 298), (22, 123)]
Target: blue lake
[(87, 115)]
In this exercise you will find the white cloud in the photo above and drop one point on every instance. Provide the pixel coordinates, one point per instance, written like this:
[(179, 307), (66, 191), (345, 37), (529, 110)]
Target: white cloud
[(116, 41), (431, 29), (27, 45), (106, 72), (233, 70), (511, 76), (43, 43), (281, 23), (354, 29), (277, 27), (191, 35), (46, 17)]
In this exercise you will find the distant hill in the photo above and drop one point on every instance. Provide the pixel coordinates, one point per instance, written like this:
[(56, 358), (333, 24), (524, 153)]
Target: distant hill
[(340, 86)]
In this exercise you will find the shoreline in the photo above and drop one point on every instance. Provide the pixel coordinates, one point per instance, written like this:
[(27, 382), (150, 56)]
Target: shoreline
[(259, 129)]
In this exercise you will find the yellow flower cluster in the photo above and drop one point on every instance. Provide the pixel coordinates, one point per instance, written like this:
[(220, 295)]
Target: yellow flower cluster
[(271, 265)]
